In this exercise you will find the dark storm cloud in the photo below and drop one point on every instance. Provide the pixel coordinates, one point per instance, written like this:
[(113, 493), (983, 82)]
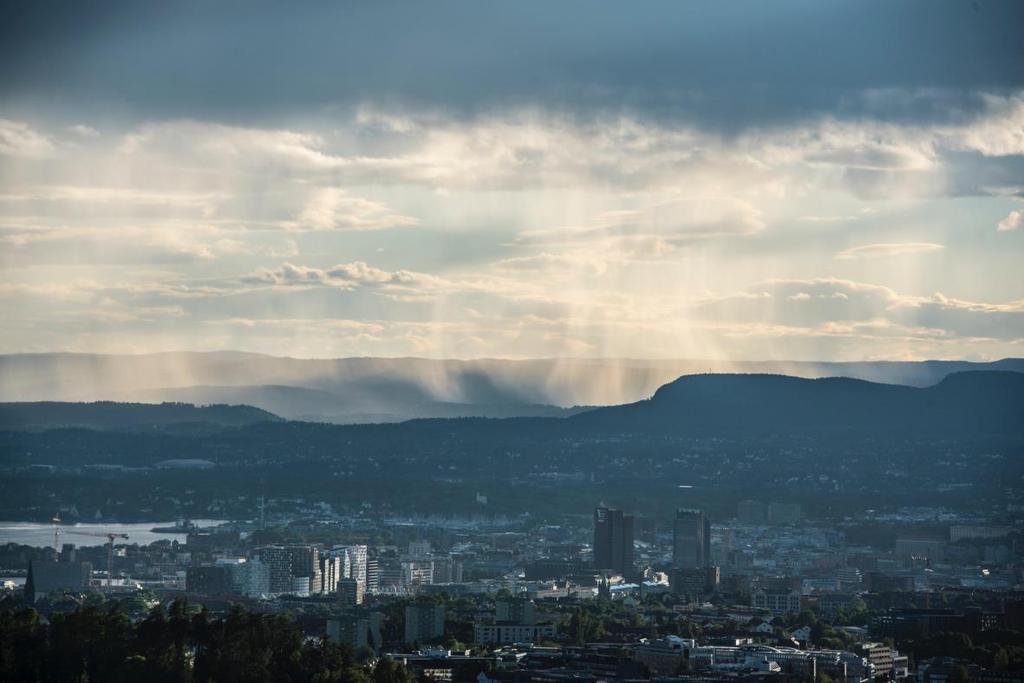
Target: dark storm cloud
[(721, 64)]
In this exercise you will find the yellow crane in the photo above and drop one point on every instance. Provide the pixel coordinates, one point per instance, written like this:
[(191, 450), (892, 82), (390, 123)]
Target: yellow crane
[(56, 535)]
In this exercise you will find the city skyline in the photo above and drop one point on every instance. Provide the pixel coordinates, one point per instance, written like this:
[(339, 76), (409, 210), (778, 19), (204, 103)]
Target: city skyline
[(675, 341)]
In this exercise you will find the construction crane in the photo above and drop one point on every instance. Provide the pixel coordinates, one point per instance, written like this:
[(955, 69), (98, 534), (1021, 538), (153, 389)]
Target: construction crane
[(56, 534), (110, 536)]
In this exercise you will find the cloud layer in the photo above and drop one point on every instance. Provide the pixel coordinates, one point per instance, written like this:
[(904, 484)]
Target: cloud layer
[(685, 180)]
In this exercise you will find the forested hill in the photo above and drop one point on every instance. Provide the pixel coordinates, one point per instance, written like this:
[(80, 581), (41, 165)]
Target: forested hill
[(966, 404), (363, 390), (110, 415), (724, 436)]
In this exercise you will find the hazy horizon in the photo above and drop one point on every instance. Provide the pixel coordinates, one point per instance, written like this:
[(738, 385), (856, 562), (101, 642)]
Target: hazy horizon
[(524, 359)]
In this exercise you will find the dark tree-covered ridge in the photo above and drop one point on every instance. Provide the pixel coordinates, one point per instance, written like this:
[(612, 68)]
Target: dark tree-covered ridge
[(182, 644)]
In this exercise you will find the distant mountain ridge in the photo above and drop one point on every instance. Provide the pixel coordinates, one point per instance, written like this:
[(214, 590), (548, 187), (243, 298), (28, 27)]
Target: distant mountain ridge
[(110, 415), (315, 405), (980, 402), (354, 390), (835, 444)]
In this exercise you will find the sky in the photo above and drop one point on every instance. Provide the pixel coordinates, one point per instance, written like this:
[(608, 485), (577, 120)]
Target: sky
[(813, 180)]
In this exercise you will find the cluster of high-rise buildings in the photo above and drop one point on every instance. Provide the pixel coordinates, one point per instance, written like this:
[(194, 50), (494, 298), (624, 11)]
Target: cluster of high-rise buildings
[(300, 570), (692, 568), (307, 570), (749, 590), (421, 566)]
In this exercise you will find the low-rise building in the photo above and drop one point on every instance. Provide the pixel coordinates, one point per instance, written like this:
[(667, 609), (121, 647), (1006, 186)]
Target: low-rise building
[(887, 661), (664, 656), (777, 603), (492, 634)]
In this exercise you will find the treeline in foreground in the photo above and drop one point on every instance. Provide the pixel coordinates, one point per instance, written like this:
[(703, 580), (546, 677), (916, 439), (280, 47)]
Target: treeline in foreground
[(182, 644)]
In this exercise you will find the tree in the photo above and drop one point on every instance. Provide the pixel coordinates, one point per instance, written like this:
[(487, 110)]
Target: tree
[(180, 645), (805, 617), (959, 674), (584, 626), (390, 671)]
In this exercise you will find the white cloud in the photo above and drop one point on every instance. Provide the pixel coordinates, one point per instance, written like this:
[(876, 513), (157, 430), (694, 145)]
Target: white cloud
[(832, 303), (83, 131), (545, 262), (650, 232), (344, 276), (334, 209), (565, 235), (111, 311), (21, 140), (887, 249), (165, 244), (1013, 221), (522, 149)]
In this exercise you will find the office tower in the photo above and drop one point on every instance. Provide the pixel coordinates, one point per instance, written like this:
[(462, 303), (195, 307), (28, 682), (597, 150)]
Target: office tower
[(278, 561), (613, 540), (250, 578), (357, 563), (354, 561), (372, 575), (294, 570), (331, 572), (691, 548), (300, 586), (306, 576), (341, 564)]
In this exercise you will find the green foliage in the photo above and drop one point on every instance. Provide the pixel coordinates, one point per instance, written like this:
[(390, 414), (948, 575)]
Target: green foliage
[(959, 674), (182, 644), (682, 667), (585, 626), (390, 671), (856, 615), (997, 649)]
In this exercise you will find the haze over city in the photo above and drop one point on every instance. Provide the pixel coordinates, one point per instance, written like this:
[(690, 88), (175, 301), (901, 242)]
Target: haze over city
[(512, 342)]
